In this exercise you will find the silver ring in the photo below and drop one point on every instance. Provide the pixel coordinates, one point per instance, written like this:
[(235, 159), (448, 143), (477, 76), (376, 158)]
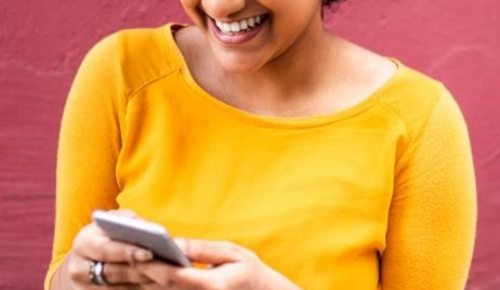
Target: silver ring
[(96, 273)]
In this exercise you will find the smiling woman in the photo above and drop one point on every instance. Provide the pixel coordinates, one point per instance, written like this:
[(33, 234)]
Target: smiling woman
[(269, 33), (279, 168)]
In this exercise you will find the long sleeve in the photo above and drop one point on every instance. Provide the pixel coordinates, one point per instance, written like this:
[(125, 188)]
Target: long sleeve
[(138, 132), (88, 147), (432, 218)]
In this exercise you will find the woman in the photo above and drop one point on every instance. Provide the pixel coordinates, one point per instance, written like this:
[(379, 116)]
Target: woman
[(284, 155)]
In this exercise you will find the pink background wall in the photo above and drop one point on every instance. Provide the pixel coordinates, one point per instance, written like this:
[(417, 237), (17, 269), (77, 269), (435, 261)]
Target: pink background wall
[(42, 44)]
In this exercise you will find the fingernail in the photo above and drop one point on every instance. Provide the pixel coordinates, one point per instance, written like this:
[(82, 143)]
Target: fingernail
[(141, 255)]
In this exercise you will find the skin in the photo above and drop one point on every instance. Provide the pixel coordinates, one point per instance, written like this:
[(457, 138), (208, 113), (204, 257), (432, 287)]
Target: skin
[(227, 266), (328, 74), (293, 68)]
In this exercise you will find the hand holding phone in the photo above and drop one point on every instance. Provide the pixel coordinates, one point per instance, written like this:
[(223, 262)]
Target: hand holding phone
[(148, 235)]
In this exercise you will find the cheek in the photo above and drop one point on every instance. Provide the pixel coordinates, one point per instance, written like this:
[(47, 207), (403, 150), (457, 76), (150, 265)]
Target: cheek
[(298, 17), (191, 7), (190, 3)]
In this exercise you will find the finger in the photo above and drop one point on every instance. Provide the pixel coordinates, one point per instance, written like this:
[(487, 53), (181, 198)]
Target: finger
[(192, 278), (211, 252), (114, 274), (94, 245), (120, 273), (158, 272), (155, 286), (78, 268), (110, 287), (172, 277)]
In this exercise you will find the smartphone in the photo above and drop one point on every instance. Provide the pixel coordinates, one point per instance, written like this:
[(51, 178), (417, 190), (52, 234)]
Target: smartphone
[(144, 234)]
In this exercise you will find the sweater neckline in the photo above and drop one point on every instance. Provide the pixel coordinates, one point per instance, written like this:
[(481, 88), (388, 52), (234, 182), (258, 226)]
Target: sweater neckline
[(272, 121)]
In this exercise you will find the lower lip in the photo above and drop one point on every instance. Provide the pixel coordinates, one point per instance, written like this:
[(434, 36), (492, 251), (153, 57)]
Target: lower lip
[(238, 38)]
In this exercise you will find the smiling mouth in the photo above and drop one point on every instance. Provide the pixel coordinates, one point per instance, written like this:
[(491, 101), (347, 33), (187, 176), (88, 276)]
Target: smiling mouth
[(241, 26)]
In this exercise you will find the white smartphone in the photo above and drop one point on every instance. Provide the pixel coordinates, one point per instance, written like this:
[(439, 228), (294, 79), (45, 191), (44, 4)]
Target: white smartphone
[(141, 233)]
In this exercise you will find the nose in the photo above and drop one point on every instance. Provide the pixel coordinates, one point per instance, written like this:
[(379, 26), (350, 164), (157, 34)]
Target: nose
[(222, 9)]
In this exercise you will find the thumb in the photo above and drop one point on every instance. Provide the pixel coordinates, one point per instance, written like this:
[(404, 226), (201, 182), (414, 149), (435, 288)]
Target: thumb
[(210, 252)]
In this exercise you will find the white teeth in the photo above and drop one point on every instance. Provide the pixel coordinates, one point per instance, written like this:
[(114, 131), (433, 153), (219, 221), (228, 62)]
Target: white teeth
[(226, 28), (251, 22), (235, 27), (243, 25)]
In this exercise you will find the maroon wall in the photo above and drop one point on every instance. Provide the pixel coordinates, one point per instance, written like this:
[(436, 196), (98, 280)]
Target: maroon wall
[(42, 43)]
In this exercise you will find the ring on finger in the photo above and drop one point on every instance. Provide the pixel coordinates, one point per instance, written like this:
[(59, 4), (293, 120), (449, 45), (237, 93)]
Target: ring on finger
[(96, 273)]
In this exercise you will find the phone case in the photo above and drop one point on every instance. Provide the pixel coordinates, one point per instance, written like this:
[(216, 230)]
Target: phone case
[(142, 233)]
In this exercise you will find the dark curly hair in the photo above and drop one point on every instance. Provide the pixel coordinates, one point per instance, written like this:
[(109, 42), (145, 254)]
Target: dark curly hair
[(328, 2)]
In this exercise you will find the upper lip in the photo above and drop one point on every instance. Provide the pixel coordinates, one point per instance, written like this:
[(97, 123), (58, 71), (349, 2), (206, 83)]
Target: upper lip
[(226, 20)]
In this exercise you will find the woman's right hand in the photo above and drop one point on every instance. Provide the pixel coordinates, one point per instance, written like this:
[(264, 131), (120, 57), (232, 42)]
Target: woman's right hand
[(92, 244)]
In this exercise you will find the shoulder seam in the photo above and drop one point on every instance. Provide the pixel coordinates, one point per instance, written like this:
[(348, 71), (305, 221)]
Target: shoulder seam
[(132, 91), (439, 99), (130, 95), (409, 134)]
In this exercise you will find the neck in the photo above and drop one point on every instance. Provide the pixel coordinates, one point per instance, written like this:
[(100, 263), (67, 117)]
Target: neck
[(287, 79)]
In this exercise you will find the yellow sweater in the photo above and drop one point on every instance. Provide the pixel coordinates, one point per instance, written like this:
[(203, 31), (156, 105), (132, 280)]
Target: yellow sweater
[(378, 196)]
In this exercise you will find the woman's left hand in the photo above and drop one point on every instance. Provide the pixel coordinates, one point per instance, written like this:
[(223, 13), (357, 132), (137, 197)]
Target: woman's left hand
[(229, 267)]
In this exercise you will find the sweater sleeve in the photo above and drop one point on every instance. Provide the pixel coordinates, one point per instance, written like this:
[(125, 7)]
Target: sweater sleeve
[(88, 148), (432, 219)]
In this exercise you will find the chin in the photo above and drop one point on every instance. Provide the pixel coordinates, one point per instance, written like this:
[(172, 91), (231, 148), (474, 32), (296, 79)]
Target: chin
[(238, 67)]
